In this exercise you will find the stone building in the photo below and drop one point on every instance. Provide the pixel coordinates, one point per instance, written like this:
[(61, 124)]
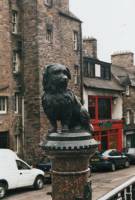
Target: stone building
[(103, 98), (33, 34), (124, 70)]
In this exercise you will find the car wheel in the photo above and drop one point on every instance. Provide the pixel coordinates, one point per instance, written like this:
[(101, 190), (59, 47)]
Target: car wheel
[(127, 164), (39, 183), (2, 190), (113, 167)]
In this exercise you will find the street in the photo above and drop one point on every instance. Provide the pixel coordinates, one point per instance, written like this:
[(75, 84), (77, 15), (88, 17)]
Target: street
[(102, 182)]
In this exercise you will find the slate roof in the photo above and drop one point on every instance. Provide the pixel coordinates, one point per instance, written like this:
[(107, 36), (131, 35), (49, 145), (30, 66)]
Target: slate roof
[(70, 15), (103, 84), (125, 76)]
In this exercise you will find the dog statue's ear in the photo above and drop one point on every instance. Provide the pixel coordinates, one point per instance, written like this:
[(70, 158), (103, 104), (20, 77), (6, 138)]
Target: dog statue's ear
[(68, 73)]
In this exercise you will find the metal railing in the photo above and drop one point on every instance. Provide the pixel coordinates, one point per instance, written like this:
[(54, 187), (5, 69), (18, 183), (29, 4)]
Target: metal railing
[(125, 191)]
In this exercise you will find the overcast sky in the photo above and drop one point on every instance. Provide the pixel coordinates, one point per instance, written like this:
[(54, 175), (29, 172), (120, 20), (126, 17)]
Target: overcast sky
[(111, 22)]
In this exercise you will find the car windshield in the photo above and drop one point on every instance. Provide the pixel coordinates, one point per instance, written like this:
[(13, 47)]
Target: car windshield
[(45, 160)]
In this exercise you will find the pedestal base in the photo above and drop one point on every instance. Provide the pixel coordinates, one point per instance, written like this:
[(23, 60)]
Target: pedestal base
[(70, 154)]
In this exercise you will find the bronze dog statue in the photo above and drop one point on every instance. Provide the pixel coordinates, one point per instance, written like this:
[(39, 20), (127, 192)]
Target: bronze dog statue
[(60, 103)]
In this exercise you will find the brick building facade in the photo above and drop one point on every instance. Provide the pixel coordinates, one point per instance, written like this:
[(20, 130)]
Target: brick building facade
[(33, 34)]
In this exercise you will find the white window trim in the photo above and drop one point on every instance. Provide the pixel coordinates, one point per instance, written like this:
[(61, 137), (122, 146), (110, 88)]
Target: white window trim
[(16, 62), (75, 40), (97, 70), (5, 102)]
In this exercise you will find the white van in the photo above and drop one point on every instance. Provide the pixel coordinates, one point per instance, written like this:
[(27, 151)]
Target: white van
[(15, 173)]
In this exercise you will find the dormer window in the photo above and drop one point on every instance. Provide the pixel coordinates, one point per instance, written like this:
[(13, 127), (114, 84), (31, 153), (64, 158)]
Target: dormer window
[(14, 21), (97, 70), (48, 3)]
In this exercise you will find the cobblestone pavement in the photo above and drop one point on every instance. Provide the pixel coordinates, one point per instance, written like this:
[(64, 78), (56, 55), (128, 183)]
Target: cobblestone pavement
[(101, 184)]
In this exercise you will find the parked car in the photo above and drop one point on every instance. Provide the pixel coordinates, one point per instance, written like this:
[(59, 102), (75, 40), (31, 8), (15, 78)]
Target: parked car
[(130, 153), (110, 159), (46, 166), (15, 173)]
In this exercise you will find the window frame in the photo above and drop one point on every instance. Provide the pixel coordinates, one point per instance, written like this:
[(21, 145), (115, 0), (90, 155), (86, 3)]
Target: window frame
[(97, 70), (48, 3), (4, 111), (16, 62), (14, 21), (75, 41), (16, 103), (128, 120)]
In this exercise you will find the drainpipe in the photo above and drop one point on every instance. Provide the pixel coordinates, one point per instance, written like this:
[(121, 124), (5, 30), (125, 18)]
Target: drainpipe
[(81, 65)]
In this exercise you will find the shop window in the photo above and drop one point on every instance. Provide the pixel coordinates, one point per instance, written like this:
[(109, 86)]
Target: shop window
[(104, 108), (14, 21), (97, 70), (130, 140), (16, 62), (75, 40), (92, 107), (3, 105)]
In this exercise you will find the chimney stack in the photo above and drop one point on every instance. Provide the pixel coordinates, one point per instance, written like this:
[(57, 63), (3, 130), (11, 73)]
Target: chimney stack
[(124, 59), (90, 47)]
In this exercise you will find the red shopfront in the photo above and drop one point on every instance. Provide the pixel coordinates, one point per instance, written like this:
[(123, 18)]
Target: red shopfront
[(107, 131)]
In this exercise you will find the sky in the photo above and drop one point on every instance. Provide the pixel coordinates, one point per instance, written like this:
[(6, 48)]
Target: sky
[(111, 22)]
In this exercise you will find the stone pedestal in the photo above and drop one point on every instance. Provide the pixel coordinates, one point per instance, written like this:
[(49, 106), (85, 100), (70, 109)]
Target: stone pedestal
[(69, 153)]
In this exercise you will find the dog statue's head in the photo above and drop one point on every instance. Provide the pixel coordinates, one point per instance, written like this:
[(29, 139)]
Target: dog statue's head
[(55, 77)]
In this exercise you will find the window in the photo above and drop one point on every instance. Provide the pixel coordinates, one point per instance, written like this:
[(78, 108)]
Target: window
[(89, 69), (134, 117), (75, 41), (104, 108), (21, 165), (14, 21), (127, 90), (92, 107), (16, 62), (4, 140), (97, 70), (76, 74), (49, 32), (128, 117), (3, 105), (48, 3), (16, 103), (105, 72)]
